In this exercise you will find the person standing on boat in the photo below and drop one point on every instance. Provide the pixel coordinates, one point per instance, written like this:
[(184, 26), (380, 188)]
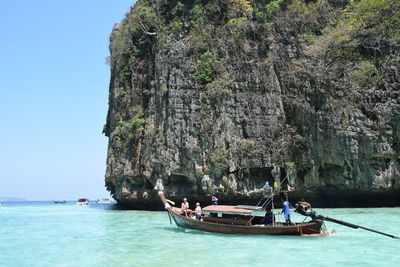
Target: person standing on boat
[(197, 211), (286, 210), (185, 207)]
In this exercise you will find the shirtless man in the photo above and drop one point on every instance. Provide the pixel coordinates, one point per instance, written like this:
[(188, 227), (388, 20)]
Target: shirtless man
[(197, 211), (185, 207)]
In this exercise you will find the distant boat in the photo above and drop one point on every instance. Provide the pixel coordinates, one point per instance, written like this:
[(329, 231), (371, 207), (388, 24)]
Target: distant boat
[(82, 202), (104, 201), (59, 201)]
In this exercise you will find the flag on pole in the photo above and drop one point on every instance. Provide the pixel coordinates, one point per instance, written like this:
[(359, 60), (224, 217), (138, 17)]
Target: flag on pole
[(214, 200)]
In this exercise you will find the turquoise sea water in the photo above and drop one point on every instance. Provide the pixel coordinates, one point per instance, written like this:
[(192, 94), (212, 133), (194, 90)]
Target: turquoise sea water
[(47, 234)]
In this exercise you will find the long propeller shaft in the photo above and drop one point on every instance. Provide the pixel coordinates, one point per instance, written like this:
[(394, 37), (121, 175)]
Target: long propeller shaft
[(321, 217)]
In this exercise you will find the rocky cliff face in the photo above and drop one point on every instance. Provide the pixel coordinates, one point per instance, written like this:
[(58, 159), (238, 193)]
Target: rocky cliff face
[(217, 97)]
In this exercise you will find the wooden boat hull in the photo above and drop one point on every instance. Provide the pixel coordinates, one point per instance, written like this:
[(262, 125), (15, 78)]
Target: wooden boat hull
[(308, 228)]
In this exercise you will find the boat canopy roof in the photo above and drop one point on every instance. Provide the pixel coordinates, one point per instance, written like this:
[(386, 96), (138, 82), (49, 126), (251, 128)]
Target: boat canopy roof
[(225, 209)]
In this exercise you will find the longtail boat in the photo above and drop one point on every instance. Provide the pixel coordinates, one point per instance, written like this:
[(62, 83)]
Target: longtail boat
[(240, 220), (252, 220)]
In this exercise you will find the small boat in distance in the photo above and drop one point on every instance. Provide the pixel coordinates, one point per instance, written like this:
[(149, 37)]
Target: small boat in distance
[(59, 201), (82, 202), (104, 201)]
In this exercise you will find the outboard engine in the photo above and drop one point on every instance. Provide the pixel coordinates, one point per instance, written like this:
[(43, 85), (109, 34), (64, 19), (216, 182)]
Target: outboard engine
[(304, 208)]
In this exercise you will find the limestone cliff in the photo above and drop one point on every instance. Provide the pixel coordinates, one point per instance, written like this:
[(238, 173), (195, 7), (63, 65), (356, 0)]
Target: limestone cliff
[(219, 96)]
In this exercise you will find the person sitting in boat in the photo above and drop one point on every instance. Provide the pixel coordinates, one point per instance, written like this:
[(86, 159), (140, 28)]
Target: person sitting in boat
[(286, 210), (269, 217), (185, 207), (267, 188), (214, 200), (197, 211), (304, 208)]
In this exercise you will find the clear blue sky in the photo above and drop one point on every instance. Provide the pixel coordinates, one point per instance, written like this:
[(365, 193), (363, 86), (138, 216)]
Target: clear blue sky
[(54, 96)]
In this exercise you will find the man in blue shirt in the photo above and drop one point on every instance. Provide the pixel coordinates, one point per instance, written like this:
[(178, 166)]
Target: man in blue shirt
[(286, 211)]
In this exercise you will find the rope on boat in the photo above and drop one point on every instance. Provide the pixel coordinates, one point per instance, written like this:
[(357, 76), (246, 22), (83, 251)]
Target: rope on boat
[(269, 199), (323, 228), (169, 215)]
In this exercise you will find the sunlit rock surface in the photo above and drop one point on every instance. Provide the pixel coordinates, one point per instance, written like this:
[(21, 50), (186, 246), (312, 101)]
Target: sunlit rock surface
[(217, 98)]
